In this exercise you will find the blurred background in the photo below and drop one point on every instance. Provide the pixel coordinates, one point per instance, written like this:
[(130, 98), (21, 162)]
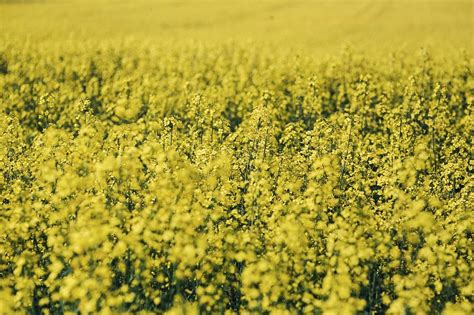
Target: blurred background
[(318, 25)]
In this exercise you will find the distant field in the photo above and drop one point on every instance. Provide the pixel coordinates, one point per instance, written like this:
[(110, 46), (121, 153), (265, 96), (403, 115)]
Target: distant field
[(317, 25)]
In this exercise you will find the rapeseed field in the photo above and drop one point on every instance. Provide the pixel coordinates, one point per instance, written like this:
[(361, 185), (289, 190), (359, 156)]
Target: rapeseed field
[(247, 157)]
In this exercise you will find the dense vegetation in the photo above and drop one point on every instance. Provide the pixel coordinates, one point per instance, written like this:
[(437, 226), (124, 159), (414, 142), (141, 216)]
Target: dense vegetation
[(220, 175), (233, 177)]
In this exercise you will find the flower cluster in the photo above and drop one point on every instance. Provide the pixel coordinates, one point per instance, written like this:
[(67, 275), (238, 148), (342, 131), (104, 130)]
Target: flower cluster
[(228, 178)]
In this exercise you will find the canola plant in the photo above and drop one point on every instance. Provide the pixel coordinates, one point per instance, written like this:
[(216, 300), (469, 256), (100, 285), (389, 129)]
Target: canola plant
[(234, 178)]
